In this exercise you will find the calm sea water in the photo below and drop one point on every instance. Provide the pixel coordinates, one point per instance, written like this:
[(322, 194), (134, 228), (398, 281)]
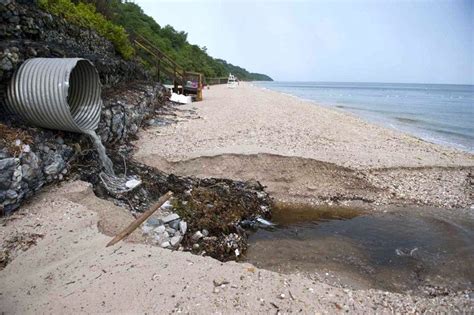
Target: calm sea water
[(437, 113)]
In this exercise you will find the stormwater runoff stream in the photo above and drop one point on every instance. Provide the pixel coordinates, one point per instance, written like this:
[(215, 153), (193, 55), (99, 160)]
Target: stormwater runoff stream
[(422, 251)]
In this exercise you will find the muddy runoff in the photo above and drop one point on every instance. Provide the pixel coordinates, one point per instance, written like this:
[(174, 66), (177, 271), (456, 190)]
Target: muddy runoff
[(423, 251), (214, 206)]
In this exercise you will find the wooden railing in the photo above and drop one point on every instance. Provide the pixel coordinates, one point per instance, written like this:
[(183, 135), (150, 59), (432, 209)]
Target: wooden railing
[(163, 62)]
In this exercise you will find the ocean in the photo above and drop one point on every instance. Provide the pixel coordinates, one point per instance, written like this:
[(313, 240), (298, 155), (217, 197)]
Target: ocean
[(439, 113)]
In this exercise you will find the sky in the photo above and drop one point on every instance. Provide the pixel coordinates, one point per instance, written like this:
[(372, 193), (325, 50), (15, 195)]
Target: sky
[(338, 41)]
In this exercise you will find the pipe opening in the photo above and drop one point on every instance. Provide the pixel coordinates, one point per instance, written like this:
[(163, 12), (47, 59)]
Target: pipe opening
[(84, 95)]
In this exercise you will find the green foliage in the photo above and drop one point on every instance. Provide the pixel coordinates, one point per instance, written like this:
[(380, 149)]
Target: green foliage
[(111, 19), (174, 43), (85, 15)]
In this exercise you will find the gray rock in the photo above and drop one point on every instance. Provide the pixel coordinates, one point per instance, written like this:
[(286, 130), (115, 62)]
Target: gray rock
[(160, 229), (170, 231), (5, 2), (11, 194), (17, 174), (7, 163), (165, 244), (56, 166), (170, 218), (174, 224), (183, 226), (7, 167), (167, 206), (162, 238), (28, 173), (153, 221), (3, 195), (4, 154), (205, 232), (175, 240), (150, 122), (197, 236), (6, 64)]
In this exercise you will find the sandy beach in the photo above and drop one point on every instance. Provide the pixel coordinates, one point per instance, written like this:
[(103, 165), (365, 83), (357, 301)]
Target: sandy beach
[(302, 152)]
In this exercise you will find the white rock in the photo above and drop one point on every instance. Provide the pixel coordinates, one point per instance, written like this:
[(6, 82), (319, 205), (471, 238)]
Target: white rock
[(198, 235), (183, 226), (175, 240), (133, 183), (160, 229), (165, 244), (170, 231), (167, 205), (170, 218), (26, 148)]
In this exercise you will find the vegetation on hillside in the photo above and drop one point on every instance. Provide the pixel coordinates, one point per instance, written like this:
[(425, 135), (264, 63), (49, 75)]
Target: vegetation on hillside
[(117, 21), (85, 15)]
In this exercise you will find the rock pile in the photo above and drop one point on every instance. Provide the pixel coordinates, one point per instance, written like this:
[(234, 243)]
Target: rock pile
[(126, 108), (23, 174), (166, 231)]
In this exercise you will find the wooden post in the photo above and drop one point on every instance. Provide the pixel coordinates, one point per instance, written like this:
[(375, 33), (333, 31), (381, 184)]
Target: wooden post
[(129, 229)]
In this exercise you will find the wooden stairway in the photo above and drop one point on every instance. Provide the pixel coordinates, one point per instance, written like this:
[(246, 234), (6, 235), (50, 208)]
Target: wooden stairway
[(181, 78)]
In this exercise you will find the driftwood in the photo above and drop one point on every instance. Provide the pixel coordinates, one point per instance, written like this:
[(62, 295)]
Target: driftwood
[(127, 231)]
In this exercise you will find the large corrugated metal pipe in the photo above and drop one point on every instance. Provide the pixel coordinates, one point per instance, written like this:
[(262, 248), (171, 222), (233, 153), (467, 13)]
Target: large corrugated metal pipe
[(57, 93)]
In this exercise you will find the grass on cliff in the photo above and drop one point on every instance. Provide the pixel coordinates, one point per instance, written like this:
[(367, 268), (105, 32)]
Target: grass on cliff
[(85, 15)]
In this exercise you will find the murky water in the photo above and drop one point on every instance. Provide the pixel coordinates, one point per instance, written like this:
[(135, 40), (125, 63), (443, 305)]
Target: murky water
[(105, 160), (406, 250)]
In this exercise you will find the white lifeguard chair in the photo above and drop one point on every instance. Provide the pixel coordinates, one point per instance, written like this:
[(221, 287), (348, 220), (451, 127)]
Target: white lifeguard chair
[(231, 81)]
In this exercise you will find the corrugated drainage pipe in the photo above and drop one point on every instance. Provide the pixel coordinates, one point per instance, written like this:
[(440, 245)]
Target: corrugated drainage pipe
[(57, 93)]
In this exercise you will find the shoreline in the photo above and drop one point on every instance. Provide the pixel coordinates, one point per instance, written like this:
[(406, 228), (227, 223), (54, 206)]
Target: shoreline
[(379, 122)]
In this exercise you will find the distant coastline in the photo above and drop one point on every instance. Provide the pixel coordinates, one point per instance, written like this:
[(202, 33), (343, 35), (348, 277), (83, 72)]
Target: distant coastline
[(438, 113)]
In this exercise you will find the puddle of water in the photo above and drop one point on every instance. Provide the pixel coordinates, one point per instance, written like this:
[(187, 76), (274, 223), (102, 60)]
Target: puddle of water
[(406, 250)]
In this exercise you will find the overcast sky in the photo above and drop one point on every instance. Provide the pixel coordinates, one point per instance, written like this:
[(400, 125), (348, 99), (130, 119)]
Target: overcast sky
[(359, 41)]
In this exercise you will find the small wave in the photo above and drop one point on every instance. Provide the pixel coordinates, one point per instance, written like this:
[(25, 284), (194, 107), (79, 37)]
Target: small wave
[(408, 120), (450, 133)]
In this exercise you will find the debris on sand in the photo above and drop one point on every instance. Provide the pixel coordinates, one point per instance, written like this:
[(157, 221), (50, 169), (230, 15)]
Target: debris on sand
[(16, 243)]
